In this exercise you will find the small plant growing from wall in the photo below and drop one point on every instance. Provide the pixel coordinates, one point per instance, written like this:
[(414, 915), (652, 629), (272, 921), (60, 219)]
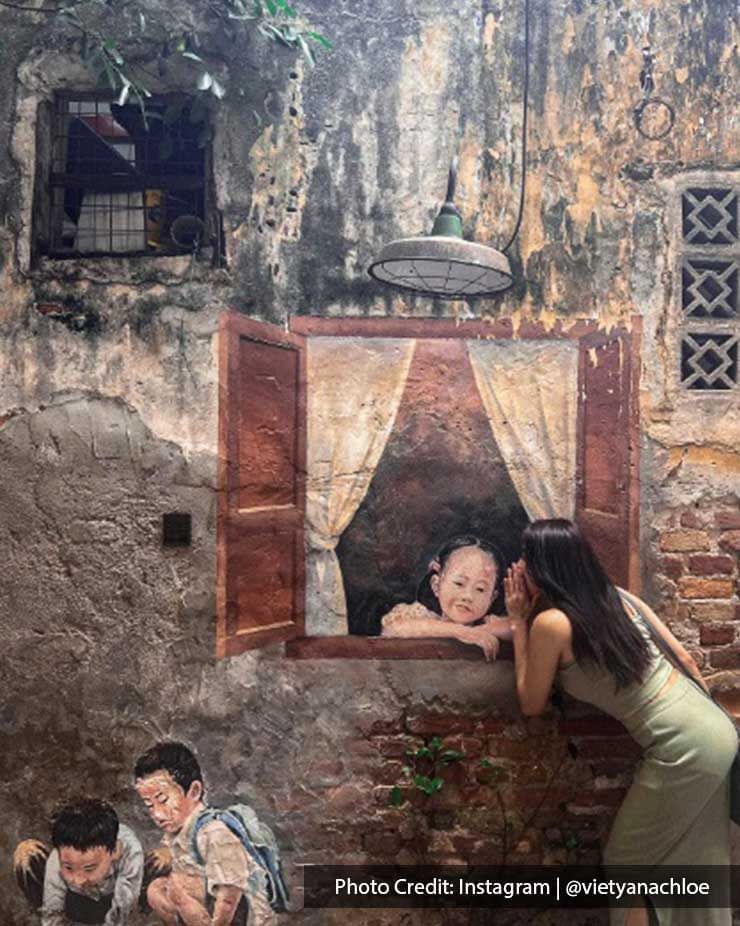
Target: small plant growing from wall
[(127, 44)]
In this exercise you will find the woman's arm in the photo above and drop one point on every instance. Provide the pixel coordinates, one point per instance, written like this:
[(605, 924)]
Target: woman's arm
[(537, 649), (664, 633), (537, 652), (407, 621)]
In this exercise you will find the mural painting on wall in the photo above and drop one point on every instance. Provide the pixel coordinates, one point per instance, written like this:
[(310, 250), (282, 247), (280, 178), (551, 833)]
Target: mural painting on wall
[(210, 862), (413, 443), (353, 453)]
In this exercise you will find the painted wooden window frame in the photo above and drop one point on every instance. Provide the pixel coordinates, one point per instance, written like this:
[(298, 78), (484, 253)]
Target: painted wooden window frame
[(620, 346)]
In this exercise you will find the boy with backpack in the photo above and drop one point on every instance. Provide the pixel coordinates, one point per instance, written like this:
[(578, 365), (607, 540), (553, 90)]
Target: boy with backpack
[(225, 864)]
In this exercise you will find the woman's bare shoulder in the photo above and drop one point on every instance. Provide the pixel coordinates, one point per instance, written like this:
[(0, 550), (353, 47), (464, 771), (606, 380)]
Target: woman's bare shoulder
[(554, 622)]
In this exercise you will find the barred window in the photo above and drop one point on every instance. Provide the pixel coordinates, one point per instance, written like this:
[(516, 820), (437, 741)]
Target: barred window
[(710, 267), (122, 180)]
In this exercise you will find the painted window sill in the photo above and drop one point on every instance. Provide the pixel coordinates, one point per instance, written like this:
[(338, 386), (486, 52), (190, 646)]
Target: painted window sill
[(356, 647)]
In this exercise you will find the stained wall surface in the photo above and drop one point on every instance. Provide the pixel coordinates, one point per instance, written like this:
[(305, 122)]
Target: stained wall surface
[(109, 399)]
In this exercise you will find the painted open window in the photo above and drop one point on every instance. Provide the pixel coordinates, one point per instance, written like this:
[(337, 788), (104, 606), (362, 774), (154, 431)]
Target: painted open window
[(353, 448), (115, 180)]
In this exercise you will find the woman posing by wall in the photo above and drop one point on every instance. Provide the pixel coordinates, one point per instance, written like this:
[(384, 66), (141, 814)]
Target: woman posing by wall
[(572, 627)]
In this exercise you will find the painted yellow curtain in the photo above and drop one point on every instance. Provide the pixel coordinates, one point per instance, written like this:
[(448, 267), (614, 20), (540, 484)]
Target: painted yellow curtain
[(355, 387), (530, 393)]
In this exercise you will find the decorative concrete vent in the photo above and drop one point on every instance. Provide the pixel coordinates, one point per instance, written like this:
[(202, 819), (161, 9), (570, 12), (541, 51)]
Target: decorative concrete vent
[(710, 262)]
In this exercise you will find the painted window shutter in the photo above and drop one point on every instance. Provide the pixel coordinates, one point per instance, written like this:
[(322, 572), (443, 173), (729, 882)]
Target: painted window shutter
[(262, 464), (608, 449)]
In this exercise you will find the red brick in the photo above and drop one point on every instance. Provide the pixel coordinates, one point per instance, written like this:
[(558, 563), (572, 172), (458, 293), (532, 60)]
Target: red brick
[(470, 746), (526, 799), (503, 747), (395, 747), (346, 798), (377, 727), (607, 748), (714, 611), (692, 518), (727, 520), (491, 725), (383, 844), (694, 587), (684, 541), (702, 564), (390, 773), (439, 724), (730, 541), (728, 658), (591, 726), (671, 566), (716, 636)]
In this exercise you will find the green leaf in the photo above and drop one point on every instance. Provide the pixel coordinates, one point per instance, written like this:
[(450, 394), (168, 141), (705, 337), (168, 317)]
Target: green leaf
[(271, 7), (110, 46), (204, 81), (423, 752), (123, 95), (321, 39), (486, 763), (217, 89), (191, 55), (181, 45), (306, 51), (435, 743), (396, 797), (436, 784), (451, 755), (423, 783)]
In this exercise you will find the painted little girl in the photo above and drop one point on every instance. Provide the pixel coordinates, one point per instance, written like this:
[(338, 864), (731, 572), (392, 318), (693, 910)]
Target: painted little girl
[(454, 597)]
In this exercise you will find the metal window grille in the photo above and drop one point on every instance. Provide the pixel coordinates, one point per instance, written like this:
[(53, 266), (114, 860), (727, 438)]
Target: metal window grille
[(709, 286), (121, 179)]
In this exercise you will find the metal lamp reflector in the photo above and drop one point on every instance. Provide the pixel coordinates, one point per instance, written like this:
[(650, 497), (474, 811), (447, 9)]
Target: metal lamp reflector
[(443, 264)]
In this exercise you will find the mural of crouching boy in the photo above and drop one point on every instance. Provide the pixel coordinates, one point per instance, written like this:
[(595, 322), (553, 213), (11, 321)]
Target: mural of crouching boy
[(228, 888), (94, 872)]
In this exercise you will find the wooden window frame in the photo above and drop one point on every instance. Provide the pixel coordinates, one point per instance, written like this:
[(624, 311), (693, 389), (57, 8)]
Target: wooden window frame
[(585, 331)]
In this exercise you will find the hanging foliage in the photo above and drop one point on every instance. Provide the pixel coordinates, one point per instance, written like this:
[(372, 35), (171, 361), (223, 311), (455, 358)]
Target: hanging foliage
[(107, 28)]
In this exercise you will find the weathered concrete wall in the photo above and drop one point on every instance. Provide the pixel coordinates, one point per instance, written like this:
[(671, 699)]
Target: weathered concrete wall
[(109, 638)]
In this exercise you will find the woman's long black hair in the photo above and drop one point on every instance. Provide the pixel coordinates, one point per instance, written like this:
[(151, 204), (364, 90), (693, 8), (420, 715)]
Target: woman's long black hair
[(561, 562)]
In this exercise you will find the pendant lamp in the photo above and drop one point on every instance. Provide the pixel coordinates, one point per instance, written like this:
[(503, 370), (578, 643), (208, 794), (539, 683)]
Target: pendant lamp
[(444, 265)]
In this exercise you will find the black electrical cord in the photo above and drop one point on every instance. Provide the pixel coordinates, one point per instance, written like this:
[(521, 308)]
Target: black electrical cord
[(524, 126)]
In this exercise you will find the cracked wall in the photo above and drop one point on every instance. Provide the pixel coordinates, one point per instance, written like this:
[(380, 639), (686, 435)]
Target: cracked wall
[(109, 638)]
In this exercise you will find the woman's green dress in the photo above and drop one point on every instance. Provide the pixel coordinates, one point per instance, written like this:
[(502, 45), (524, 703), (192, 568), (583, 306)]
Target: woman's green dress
[(677, 811)]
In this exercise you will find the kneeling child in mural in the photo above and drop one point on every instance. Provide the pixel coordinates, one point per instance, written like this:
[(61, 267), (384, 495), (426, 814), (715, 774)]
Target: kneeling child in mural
[(225, 866), (93, 872)]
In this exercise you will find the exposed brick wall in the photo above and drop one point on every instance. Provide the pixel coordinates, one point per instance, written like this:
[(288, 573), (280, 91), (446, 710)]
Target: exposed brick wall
[(697, 572), (538, 791)]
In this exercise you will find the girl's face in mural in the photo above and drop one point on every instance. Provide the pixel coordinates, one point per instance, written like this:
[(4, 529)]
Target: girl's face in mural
[(84, 869), (465, 586), (168, 805)]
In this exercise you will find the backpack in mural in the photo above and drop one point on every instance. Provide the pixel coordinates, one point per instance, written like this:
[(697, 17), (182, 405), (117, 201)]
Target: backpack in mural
[(259, 843)]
